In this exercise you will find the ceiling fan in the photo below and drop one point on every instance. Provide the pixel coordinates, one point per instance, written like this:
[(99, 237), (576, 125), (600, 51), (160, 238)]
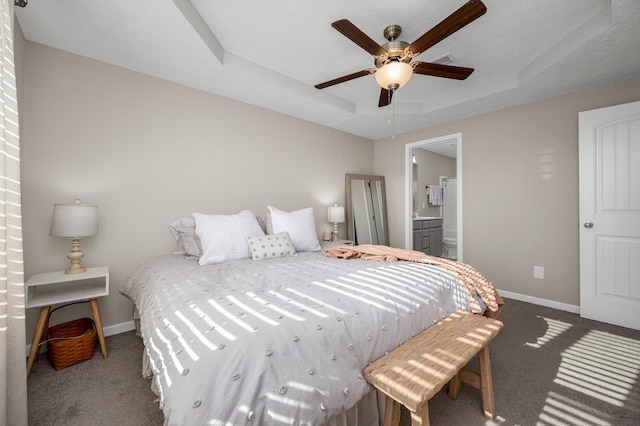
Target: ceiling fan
[(393, 67)]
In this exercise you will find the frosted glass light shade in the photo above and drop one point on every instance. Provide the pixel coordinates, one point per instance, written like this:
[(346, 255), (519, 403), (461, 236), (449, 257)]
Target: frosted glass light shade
[(74, 221), (336, 214), (394, 73)]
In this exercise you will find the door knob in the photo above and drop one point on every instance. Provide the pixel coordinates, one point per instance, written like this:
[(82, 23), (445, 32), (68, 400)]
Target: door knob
[(588, 224)]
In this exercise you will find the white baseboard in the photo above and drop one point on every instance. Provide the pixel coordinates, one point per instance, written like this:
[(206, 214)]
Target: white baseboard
[(109, 330), (123, 327), (542, 302)]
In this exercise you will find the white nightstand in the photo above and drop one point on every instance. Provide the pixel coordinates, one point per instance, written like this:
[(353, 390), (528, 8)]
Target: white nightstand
[(326, 244), (52, 288)]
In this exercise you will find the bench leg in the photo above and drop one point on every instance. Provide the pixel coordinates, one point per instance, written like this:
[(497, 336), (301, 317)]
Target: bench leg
[(486, 381), (454, 387), (421, 417), (467, 376), (391, 412)]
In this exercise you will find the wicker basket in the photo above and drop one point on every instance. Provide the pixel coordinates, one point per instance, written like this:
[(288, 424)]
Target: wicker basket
[(71, 342)]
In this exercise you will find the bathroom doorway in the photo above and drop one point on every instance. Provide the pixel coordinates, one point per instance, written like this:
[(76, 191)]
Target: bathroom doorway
[(417, 202)]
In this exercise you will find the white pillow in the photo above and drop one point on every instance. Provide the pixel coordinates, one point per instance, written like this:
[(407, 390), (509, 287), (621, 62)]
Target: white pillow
[(224, 237), (269, 246), (184, 231), (299, 224)]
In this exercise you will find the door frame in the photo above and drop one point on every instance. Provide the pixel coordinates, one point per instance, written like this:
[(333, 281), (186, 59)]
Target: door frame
[(408, 186)]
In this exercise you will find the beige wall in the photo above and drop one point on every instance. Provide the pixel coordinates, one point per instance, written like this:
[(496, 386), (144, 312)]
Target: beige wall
[(430, 167), (520, 189), (148, 151)]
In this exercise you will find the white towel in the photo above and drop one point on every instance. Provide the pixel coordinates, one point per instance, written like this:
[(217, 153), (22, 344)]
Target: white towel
[(435, 195)]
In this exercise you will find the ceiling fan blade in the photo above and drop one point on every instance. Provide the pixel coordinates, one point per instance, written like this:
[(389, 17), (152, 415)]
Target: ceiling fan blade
[(468, 13), (385, 97), (342, 79), (441, 70), (354, 34)]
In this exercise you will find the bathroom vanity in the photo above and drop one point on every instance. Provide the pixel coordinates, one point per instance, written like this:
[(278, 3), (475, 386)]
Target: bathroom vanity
[(427, 235)]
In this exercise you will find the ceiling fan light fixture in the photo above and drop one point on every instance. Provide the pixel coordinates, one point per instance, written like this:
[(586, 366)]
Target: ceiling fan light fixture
[(394, 75)]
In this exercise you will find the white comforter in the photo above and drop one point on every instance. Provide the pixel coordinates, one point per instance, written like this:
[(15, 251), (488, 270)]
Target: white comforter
[(278, 341)]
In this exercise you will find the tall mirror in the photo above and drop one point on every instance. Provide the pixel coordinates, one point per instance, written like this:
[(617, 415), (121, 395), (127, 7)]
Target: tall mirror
[(366, 209)]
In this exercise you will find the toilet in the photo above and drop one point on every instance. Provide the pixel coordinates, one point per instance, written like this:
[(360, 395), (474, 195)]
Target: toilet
[(450, 245)]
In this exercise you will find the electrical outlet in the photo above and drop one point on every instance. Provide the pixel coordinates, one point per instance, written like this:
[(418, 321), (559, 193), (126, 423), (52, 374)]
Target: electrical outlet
[(538, 272)]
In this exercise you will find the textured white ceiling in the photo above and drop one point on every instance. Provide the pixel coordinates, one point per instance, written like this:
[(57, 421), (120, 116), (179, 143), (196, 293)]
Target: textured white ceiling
[(271, 53)]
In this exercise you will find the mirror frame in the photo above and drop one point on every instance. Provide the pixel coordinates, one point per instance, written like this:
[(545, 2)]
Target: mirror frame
[(349, 204)]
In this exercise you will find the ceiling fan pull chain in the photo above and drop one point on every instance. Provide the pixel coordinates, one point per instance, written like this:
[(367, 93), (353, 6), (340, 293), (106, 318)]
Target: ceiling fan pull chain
[(393, 115)]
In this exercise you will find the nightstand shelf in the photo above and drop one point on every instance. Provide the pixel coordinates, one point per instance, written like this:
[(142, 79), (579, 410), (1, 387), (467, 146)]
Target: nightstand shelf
[(54, 288)]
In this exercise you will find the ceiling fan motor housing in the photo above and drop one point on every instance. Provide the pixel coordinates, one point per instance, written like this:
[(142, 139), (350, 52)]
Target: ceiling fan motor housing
[(395, 53), (395, 49)]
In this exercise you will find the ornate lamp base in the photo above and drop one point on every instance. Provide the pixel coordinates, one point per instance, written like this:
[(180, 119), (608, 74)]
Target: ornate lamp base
[(74, 256)]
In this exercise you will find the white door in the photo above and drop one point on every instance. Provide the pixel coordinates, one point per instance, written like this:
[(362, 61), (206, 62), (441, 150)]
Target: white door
[(609, 160)]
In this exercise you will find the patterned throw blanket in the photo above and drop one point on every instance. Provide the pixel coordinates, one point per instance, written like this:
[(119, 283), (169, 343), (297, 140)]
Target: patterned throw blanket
[(474, 282)]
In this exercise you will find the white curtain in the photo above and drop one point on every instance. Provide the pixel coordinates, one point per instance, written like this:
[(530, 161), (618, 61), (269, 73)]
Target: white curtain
[(13, 372)]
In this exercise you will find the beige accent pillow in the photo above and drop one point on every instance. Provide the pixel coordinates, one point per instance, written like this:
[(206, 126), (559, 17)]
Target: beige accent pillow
[(270, 246)]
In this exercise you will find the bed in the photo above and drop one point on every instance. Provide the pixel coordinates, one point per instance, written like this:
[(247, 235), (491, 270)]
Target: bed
[(283, 339)]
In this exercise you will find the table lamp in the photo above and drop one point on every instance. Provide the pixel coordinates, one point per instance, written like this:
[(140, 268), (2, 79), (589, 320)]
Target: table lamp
[(335, 216), (74, 221)]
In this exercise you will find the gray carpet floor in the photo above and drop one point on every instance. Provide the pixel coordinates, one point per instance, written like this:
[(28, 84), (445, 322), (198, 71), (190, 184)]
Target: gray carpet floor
[(549, 368)]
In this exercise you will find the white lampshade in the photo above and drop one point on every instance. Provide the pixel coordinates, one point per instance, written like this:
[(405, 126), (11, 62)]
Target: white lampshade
[(74, 220), (336, 214), (394, 75)]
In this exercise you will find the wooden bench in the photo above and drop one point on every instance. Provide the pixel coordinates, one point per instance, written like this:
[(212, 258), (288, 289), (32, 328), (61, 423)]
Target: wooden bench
[(418, 369)]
